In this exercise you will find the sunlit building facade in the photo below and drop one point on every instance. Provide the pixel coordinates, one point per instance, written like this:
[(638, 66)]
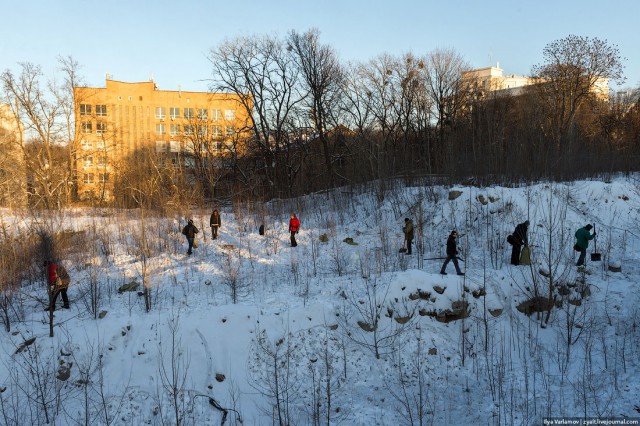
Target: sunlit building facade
[(116, 122), (492, 80), (13, 175)]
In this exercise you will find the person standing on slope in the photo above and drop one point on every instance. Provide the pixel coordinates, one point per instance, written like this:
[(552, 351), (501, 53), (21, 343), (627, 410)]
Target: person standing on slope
[(294, 227), (408, 233), (582, 242), (58, 280), (520, 238), (190, 232), (452, 252), (215, 223)]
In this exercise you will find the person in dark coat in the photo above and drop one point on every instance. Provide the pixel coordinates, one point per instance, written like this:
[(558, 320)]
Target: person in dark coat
[(58, 280), (190, 232), (583, 236), (520, 238), (294, 227), (215, 223), (452, 252), (408, 233)]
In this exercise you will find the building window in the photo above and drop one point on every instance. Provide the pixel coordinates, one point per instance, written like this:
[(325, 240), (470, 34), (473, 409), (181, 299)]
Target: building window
[(161, 146), (85, 144), (85, 109), (102, 160), (161, 113), (103, 177), (101, 110), (101, 128), (216, 131), (188, 113), (188, 129), (229, 114), (202, 131), (86, 127), (174, 113), (203, 114), (87, 178), (216, 115), (88, 162), (174, 146), (230, 131), (161, 129), (174, 130)]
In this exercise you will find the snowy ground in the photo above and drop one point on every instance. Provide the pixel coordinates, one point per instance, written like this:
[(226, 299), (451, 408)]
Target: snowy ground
[(301, 327)]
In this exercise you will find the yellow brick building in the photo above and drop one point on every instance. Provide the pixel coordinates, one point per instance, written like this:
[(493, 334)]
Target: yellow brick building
[(115, 122), (13, 174)]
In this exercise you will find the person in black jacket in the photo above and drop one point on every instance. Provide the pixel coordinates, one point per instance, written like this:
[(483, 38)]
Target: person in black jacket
[(519, 239), (190, 232), (452, 252), (215, 223)]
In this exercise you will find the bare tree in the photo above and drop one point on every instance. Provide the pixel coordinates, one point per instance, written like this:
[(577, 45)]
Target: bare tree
[(41, 112), (445, 85), (173, 369), (261, 72), (322, 75), (575, 70), (274, 375), (65, 96), (373, 330)]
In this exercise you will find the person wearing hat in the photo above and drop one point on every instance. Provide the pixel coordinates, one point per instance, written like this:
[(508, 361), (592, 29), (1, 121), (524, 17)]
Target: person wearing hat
[(519, 239), (215, 223), (294, 227), (408, 233), (452, 252), (583, 235), (190, 232)]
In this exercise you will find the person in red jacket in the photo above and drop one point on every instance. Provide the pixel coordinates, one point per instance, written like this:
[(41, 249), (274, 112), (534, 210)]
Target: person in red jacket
[(294, 227), (58, 280)]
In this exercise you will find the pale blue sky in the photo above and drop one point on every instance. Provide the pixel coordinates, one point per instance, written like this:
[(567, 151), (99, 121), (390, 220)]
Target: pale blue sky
[(133, 38)]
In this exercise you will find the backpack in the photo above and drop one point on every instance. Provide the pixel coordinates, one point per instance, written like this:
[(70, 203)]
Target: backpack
[(63, 279), (511, 239)]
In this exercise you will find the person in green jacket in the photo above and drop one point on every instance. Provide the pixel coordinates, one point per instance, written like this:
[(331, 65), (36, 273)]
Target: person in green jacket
[(583, 236)]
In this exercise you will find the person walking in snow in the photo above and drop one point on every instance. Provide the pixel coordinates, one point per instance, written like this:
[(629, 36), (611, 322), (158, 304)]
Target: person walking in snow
[(583, 236), (190, 232), (519, 239), (408, 233), (452, 252), (215, 223), (294, 227), (58, 280)]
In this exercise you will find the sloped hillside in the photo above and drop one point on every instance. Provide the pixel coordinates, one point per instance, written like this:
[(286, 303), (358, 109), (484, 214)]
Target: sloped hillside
[(342, 329)]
